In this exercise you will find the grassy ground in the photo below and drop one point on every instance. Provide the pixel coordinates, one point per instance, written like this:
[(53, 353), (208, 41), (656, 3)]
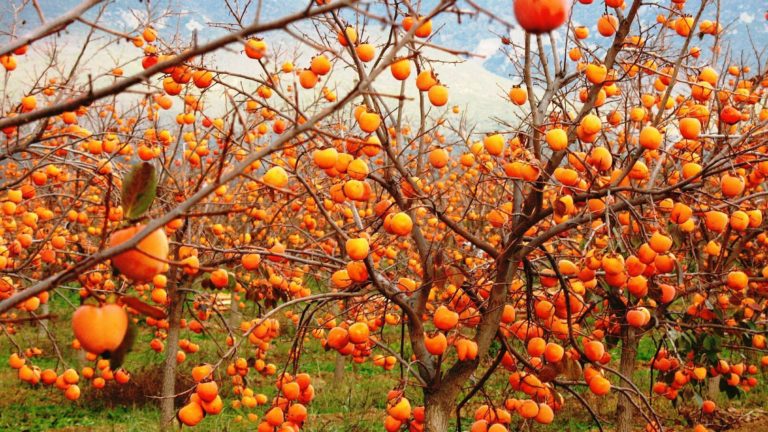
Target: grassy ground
[(355, 403)]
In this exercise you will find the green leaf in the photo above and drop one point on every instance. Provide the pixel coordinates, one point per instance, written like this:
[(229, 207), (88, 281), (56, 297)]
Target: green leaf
[(698, 400), (711, 343), (731, 391), (203, 282), (197, 284), (139, 190)]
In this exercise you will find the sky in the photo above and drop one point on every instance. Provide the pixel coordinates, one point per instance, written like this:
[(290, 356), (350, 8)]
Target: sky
[(480, 81), (744, 19)]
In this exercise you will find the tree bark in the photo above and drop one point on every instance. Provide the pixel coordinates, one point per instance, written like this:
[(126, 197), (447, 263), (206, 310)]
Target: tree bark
[(338, 370), (625, 409), (713, 387), (440, 397), (439, 406), (167, 401), (234, 311), (43, 311)]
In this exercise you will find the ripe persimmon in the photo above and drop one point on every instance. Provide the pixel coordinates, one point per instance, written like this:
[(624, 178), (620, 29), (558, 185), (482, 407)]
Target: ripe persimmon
[(307, 78), (400, 224), (553, 352), (716, 220), (191, 414), (690, 128), (365, 52), (437, 344), (445, 319), (518, 95), (594, 350), (320, 65), (650, 138), (737, 280), (276, 177), (358, 333), (213, 407), (251, 261), (274, 416), (297, 413), (400, 69), (731, 186), (358, 248), (607, 25), (425, 80), (708, 407), (638, 317), (537, 16), (494, 144), (438, 95), (528, 409), (72, 392), (146, 259), (546, 415), (557, 139), (438, 158), (369, 121), (100, 329), (338, 338), (423, 30), (348, 36), (207, 391), (599, 386)]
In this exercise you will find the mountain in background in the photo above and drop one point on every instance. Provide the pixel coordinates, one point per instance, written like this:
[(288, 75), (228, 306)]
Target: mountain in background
[(477, 85), (744, 20)]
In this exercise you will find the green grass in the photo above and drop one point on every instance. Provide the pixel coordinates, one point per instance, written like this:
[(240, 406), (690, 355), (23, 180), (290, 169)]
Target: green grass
[(355, 403)]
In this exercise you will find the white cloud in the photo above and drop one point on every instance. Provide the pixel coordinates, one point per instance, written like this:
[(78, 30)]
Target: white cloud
[(130, 20), (137, 18), (517, 36), (193, 25), (746, 18), (487, 48)]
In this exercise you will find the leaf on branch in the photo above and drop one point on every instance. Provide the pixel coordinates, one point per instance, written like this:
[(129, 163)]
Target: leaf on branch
[(712, 343), (139, 190), (144, 308), (731, 391), (573, 370), (548, 373)]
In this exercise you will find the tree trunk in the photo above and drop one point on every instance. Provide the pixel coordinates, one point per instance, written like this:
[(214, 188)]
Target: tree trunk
[(624, 409), (440, 397), (234, 311), (42, 311), (439, 406), (713, 387), (338, 370), (167, 406)]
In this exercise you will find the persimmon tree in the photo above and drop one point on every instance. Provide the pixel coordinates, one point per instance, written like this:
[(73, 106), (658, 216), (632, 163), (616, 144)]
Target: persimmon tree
[(618, 198)]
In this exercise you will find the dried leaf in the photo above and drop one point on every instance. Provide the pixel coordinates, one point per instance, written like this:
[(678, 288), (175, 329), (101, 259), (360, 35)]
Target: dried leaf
[(573, 369), (144, 308), (455, 276), (548, 373)]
